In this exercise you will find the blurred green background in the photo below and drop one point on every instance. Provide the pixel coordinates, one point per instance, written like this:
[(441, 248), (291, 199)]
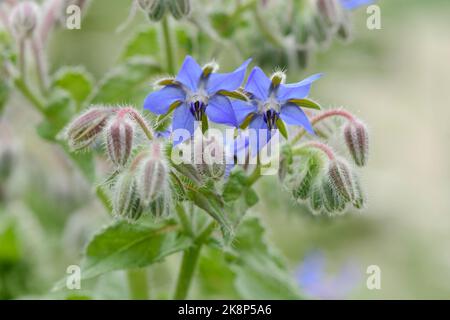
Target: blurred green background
[(395, 79)]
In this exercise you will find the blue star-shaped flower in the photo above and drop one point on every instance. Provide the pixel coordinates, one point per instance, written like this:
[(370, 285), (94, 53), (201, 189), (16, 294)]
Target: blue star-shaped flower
[(271, 102), (195, 92)]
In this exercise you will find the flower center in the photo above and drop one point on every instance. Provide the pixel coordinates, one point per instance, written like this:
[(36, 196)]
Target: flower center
[(271, 111), (197, 105)]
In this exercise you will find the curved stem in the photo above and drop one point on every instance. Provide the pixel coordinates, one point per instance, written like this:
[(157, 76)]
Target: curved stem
[(168, 46), (317, 145), (41, 65), (322, 116), (27, 93), (256, 174)]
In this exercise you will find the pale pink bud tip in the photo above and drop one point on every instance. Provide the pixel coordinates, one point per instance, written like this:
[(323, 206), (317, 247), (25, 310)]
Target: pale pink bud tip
[(357, 140), (84, 129), (119, 139), (24, 18)]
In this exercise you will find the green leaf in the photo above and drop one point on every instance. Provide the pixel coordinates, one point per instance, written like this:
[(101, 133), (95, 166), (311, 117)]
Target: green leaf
[(10, 251), (144, 43), (213, 204), (260, 273), (127, 83), (123, 245), (306, 103), (76, 81)]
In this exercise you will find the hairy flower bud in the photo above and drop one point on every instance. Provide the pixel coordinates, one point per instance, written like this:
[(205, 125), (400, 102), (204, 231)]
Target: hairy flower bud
[(359, 200), (330, 11), (24, 18), (333, 201), (83, 130), (155, 9), (152, 178), (126, 198), (119, 139), (307, 178), (341, 178), (357, 141), (179, 8), (316, 199)]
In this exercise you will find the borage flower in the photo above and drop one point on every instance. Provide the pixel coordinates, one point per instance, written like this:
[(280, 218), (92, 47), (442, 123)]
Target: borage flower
[(272, 104), (197, 92)]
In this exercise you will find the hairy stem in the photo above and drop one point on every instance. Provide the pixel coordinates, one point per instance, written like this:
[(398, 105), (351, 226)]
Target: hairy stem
[(317, 145), (322, 116), (41, 65), (168, 46), (265, 29), (138, 284)]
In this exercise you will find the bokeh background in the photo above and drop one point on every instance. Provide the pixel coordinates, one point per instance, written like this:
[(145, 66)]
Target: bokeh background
[(396, 79)]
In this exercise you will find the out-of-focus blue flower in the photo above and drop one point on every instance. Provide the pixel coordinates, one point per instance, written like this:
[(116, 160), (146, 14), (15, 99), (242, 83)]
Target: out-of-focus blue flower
[(271, 102), (316, 283), (195, 92), (353, 4)]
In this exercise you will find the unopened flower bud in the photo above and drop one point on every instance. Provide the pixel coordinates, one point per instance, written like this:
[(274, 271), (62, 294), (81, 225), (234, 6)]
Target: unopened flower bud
[(341, 178), (83, 130), (357, 141), (179, 8), (308, 178), (126, 198), (24, 18), (152, 178), (119, 139), (359, 200), (333, 201), (316, 199), (330, 11), (155, 9)]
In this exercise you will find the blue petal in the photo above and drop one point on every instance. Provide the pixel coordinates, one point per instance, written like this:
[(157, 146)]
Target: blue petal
[(190, 73), (296, 90), (258, 84), (242, 109), (353, 4), (219, 110), (227, 81), (183, 119), (159, 101), (294, 115)]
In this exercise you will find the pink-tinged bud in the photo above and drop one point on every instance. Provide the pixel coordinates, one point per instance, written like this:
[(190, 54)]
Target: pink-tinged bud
[(119, 139), (24, 19), (153, 177), (330, 11), (341, 179), (357, 140), (126, 198), (83, 130)]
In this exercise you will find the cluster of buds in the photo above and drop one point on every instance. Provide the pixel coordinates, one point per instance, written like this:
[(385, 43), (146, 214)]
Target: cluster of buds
[(209, 157), (314, 173), (141, 181), (156, 9), (118, 126), (143, 186)]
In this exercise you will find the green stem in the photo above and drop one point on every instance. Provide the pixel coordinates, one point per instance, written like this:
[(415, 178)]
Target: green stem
[(188, 264), (256, 174), (168, 46), (26, 92), (138, 284), (184, 219)]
